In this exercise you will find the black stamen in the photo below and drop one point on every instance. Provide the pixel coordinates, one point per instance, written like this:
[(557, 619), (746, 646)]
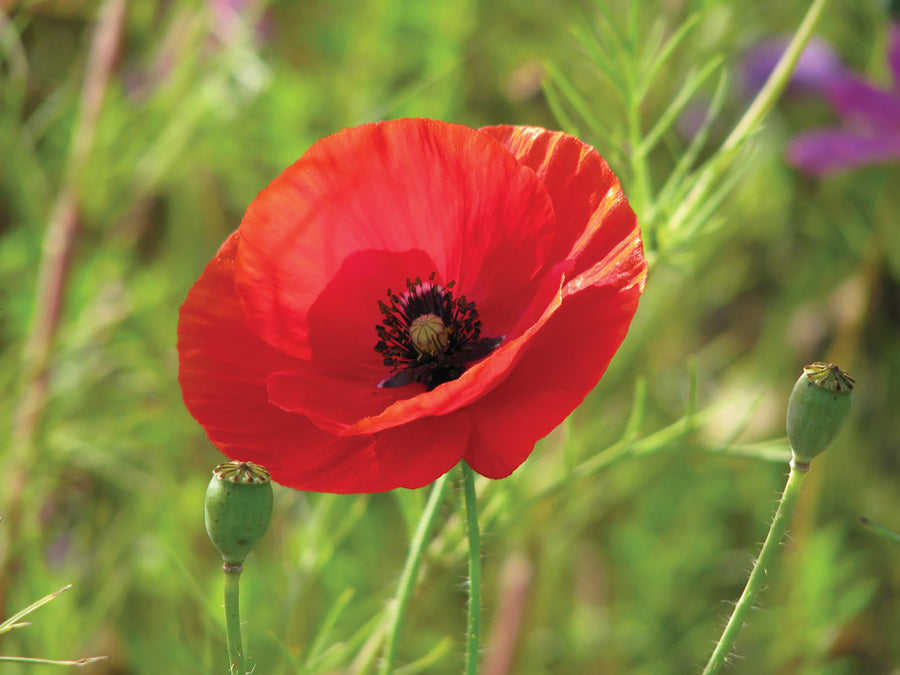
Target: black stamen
[(444, 342)]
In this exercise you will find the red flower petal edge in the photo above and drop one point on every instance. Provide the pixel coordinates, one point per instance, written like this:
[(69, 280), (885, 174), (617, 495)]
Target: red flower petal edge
[(514, 245)]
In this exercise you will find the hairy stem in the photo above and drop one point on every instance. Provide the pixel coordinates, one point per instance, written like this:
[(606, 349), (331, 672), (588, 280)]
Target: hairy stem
[(755, 580), (233, 618), (474, 622)]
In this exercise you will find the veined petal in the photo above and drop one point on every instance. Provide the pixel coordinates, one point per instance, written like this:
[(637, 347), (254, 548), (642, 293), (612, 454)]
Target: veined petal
[(410, 456), (624, 269), (223, 371), (485, 221), (592, 213), (563, 363), (351, 405)]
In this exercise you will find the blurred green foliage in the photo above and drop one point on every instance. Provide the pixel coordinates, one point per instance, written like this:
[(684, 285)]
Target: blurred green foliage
[(621, 541)]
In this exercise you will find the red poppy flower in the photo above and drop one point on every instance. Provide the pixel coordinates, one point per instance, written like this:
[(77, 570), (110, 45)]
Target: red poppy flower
[(409, 294)]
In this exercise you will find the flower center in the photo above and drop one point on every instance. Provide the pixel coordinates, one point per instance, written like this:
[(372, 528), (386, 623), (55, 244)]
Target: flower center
[(427, 336)]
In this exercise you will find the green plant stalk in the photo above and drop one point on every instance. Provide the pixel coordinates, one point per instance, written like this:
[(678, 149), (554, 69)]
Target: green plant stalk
[(397, 608), (755, 580), (880, 529), (53, 662), (233, 618), (474, 622), (640, 170), (760, 108)]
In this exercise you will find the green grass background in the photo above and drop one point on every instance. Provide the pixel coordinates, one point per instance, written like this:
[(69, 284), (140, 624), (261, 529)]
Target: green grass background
[(626, 568)]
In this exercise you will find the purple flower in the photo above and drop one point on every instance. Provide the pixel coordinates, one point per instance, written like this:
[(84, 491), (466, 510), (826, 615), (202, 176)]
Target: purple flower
[(869, 132), (818, 65)]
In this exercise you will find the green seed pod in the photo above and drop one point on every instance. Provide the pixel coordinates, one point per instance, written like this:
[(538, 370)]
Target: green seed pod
[(817, 409), (238, 508)]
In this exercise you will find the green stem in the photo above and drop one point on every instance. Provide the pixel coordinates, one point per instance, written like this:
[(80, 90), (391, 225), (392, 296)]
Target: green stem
[(760, 108), (755, 581), (405, 587), (474, 570), (779, 79), (641, 192), (233, 618)]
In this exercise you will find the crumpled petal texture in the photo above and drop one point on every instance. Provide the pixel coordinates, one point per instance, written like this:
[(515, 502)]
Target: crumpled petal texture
[(276, 338)]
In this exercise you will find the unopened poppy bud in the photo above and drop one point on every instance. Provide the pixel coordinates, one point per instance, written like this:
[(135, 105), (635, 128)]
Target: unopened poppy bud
[(817, 409), (238, 508)]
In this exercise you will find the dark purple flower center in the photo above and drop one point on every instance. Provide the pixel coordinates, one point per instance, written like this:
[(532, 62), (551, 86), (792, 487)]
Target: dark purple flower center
[(427, 336)]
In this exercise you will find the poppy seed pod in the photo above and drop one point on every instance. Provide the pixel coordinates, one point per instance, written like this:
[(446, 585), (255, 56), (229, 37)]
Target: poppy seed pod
[(817, 409), (238, 508)]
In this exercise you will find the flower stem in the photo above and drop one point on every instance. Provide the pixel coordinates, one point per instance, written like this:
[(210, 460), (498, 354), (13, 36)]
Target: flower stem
[(233, 618), (407, 581), (474, 570), (755, 580), (753, 118)]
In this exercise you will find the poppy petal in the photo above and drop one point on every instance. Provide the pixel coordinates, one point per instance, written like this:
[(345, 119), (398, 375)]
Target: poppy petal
[(410, 457), (593, 216), (347, 407), (223, 371), (563, 363), (223, 367), (485, 220)]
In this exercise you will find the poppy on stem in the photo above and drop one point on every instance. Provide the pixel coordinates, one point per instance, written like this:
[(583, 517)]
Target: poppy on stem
[(409, 294)]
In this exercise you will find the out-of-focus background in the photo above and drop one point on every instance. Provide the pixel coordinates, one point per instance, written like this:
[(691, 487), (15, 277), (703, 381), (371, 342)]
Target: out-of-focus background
[(132, 137)]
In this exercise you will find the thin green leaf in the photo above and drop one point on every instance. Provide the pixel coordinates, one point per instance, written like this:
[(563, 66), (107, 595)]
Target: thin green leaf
[(694, 81), (367, 642), (649, 73), (695, 191), (638, 406), (693, 387), (600, 58), (752, 119), (679, 177), (424, 664), (566, 121), (54, 662), (602, 27), (654, 35), (577, 102), (13, 621), (707, 209), (768, 451), (880, 529), (324, 635)]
